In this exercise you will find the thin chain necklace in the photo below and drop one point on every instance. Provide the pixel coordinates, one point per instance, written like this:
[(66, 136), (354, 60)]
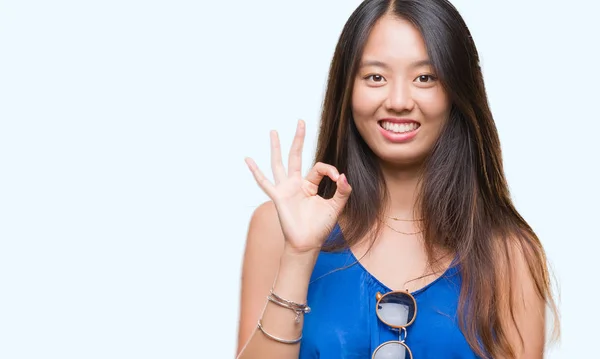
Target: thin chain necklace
[(404, 220), (397, 231)]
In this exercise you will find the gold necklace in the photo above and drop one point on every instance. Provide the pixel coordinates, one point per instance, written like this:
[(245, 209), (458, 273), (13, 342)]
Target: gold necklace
[(404, 220), (397, 231)]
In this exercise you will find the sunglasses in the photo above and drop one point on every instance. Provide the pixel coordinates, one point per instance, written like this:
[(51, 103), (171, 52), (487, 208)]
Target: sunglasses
[(397, 310)]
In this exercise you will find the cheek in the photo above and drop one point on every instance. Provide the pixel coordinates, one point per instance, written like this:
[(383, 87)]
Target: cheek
[(433, 104), (364, 102)]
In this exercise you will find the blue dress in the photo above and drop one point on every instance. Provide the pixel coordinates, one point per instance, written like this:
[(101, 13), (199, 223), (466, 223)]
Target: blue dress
[(343, 324)]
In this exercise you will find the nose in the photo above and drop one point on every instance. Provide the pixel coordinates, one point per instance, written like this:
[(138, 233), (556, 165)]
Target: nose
[(399, 97)]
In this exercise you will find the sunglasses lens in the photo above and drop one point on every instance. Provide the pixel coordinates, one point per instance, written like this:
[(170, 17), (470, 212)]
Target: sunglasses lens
[(391, 350), (396, 309)]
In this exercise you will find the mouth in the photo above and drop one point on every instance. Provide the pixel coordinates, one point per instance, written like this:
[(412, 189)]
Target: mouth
[(395, 127), (399, 131)]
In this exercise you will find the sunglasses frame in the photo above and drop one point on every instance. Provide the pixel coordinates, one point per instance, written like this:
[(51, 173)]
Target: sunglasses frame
[(379, 297), (410, 356)]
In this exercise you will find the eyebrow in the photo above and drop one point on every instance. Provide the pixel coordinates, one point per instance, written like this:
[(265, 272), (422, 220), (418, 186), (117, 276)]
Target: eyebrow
[(415, 64)]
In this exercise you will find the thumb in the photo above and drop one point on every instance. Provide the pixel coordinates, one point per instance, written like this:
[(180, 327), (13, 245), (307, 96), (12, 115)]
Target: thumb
[(342, 193)]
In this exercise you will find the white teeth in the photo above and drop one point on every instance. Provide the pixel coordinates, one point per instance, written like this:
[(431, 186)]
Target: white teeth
[(399, 127)]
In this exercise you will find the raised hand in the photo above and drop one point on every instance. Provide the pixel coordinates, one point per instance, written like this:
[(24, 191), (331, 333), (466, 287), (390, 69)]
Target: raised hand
[(305, 217)]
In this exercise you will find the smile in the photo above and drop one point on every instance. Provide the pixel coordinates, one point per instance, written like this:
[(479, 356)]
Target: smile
[(399, 127), (399, 132)]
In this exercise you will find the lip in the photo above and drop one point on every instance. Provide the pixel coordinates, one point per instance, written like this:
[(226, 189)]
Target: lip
[(398, 137), (399, 120)]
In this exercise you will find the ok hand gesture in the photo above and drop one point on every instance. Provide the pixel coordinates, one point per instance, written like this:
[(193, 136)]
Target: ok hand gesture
[(305, 217)]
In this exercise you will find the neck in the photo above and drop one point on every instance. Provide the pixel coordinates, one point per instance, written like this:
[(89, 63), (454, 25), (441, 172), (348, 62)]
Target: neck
[(403, 188)]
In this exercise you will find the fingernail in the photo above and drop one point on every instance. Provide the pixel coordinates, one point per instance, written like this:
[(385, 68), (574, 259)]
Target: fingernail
[(345, 179)]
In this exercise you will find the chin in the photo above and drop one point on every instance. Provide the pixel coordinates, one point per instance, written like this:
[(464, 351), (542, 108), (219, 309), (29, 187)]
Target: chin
[(405, 157)]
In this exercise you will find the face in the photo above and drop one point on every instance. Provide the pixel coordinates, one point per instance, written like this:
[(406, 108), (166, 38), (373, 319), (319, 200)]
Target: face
[(398, 105)]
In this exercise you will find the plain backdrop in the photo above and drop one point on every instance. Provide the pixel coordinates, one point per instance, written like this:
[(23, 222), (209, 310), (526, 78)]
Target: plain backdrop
[(124, 197)]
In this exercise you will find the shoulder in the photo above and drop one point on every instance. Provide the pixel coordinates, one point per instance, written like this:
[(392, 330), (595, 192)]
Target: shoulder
[(524, 261), (265, 220), (265, 239), (522, 266)]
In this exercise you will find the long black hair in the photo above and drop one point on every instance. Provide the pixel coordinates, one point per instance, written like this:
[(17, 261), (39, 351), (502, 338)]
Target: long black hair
[(464, 197)]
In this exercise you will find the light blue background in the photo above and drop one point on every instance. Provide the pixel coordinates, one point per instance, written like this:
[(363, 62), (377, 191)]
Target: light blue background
[(124, 197)]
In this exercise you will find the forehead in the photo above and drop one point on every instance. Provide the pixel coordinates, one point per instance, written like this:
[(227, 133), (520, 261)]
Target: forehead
[(395, 41)]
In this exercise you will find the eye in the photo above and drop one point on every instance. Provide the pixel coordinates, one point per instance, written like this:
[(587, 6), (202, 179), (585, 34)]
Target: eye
[(375, 78), (424, 78)]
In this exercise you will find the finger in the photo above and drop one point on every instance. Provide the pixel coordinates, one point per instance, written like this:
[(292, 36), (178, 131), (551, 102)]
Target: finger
[(342, 193), (276, 161), (260, 178), (295, 157), (320, 170)]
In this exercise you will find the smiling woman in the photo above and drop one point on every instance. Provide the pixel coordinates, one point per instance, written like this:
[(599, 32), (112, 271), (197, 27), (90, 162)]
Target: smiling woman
[(396, 78), (402, 241)]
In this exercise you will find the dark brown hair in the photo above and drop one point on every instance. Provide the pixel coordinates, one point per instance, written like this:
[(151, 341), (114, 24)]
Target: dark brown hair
[(464, 197)]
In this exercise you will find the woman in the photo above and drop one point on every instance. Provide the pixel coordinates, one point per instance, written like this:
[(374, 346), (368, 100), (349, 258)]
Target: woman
[(402, 240)]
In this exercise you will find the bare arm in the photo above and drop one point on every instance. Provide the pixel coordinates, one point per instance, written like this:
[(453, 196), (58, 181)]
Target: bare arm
[(264, 247), (265, 256), (284, 239), (267, 265), (526, 333)]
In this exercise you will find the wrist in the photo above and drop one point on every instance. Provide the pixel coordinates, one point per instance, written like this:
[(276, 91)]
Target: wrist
[(295, 270), (304, 255), (299, 260)]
